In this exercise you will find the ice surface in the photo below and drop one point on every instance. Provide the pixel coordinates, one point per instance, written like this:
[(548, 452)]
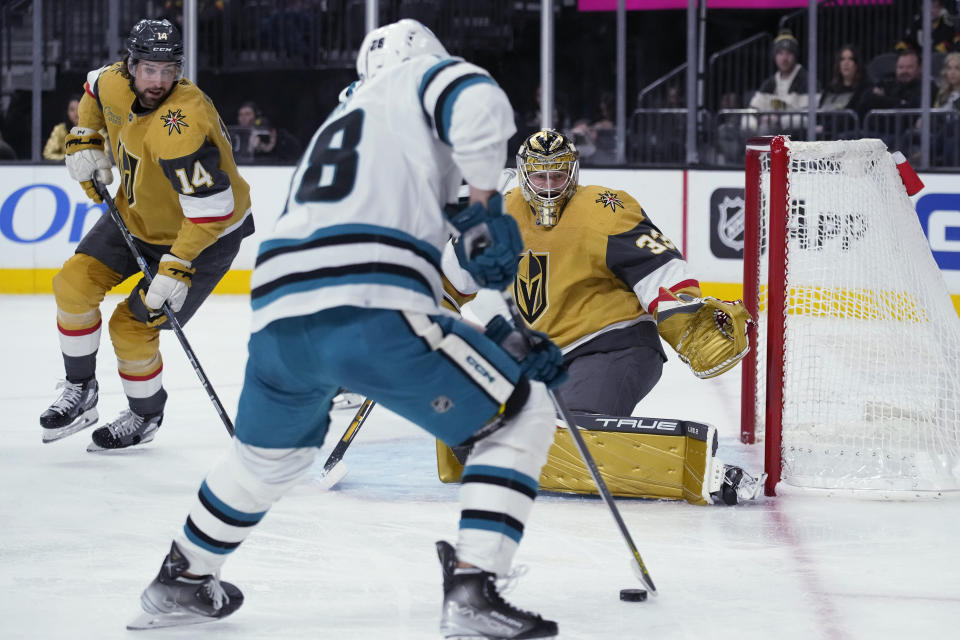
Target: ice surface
[(81, 534)]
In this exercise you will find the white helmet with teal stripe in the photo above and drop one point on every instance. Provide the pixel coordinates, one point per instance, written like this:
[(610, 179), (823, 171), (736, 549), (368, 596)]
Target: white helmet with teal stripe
[(390, 45)]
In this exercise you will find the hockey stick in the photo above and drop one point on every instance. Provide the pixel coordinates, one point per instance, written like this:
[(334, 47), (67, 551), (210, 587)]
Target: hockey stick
[(639, 568), (174, 323), (333, 472)]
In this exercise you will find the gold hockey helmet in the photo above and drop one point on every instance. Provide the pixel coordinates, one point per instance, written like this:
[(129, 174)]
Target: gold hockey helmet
[(548, 164)]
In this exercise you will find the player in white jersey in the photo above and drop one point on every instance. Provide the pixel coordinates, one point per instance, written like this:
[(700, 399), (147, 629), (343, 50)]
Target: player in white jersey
[(346, 292)]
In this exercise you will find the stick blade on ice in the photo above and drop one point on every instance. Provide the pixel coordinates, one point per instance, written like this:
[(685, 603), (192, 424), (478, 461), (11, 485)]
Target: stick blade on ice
[(333, 476)]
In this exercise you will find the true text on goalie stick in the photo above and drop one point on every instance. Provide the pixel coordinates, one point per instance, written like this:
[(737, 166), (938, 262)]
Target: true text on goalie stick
[(171, 318)]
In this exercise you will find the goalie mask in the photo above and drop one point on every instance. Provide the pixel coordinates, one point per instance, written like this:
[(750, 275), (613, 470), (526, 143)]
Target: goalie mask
[(389, 46), (548, 164)]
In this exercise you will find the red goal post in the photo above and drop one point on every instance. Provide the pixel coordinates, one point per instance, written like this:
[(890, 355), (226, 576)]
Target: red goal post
[(853, 381)]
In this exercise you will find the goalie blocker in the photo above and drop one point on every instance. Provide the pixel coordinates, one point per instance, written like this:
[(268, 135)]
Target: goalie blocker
[(639, 457)]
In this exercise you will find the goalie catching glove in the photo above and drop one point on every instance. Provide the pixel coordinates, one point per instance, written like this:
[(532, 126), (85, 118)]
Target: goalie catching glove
[(170, 285), (86, 158), (708, 334)]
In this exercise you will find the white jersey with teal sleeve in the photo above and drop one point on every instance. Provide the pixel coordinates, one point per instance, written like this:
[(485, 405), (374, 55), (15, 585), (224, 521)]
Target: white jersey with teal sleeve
[(364, 223)]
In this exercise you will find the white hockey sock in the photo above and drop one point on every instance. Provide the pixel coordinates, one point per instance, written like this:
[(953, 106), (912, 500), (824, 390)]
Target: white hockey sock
[(499, 484), (234, 497)]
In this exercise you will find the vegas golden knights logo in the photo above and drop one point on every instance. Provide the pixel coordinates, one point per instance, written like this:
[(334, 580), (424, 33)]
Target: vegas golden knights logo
[(127, 164), (530, 288)]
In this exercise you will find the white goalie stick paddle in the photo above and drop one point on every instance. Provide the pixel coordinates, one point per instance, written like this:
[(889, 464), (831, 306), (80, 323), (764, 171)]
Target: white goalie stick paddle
[(638, 566), (333, 470)]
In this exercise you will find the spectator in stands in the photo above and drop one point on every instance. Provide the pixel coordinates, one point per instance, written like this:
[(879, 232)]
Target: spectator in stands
[(948, 94), (943, 28), (596, 140), (533, 119), (6, 151), (848, 83), (785, 90), (903, 92), (255, 137), (733, 129), (54, 149), (945, 132)]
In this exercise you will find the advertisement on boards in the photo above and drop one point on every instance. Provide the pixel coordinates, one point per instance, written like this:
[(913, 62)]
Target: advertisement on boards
[(43, 214), (716, 241)]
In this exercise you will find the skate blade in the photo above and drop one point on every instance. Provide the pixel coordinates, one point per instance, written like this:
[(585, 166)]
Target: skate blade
[(160, 620), (333, 476), (93, 447), (474, 636), (82, 422)]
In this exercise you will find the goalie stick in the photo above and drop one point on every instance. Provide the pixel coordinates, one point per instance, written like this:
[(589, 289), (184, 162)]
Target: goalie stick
[(638, 566), (171, 318), (333, 472)]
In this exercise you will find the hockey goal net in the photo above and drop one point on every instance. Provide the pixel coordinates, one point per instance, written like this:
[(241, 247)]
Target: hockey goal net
[(854, 381)]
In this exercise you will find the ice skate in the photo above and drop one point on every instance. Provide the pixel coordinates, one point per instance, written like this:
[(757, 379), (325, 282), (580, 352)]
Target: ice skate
[(347, 400), (173, 600), (126, 431), (474, 609), (738, 486), (75, 409)]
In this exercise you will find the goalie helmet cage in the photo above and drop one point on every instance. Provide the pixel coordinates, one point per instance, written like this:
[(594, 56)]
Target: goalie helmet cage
[(853, 380)]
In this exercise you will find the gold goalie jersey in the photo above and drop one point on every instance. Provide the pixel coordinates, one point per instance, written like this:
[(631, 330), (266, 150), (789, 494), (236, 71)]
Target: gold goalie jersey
[(179, 184), (598, 270)]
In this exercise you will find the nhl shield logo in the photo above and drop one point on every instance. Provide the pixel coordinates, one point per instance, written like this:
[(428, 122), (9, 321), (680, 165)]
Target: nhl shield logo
[(442, 404), (530, 288), (730, 222), (727, 221)]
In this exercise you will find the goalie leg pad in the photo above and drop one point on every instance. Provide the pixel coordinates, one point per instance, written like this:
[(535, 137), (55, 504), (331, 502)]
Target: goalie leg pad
[(500, 484), (234, 497), (639, 457)]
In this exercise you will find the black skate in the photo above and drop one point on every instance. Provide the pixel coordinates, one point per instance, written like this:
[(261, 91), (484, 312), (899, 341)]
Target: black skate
[(737, 486), (173, 600), (75, 409), (126, 431), (473, 607)]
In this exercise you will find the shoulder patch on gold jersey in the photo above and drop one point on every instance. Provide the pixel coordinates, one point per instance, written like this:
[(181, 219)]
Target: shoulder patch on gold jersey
[(609, 199), (173, 120)]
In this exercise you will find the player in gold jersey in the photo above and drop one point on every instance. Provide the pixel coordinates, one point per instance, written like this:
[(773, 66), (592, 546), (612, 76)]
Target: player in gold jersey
[(187, 207), (605, 284)]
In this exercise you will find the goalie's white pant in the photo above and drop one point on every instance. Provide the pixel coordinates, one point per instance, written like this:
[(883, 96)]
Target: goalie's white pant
[(499, 485)]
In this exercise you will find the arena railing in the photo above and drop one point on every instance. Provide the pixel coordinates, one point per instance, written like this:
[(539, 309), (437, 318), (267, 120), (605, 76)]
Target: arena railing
[(873, 27), (658, 136), (735, 72), (900, 129)]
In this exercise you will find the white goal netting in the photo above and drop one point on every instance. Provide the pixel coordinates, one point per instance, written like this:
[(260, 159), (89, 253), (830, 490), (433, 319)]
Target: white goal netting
[(871, 338)]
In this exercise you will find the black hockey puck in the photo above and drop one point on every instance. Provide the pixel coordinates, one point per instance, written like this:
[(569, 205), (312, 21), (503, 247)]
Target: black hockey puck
[(633, 595)]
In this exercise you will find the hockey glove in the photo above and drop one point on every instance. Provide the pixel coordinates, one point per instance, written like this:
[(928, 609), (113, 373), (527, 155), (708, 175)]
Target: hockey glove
[(709, 335), (489, 243), (539, 358), (170, 285), (86, 158)]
